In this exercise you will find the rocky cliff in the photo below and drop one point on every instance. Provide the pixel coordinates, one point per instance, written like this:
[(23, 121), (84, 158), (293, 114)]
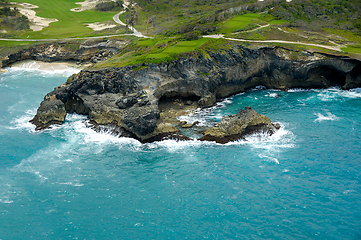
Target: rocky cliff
[(88, 51), (140, 99)]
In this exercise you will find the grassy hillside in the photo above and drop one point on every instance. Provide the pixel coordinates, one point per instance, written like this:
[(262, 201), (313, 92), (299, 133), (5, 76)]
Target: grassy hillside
[(332, 26)]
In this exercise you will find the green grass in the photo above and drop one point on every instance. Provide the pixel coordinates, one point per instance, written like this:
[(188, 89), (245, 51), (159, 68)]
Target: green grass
[(239, 22), (147, 42), (69, 23), (352, 49), (158, 55), (344, 33), (14, 44), (277, 22), (180, 47), (8, 47), (150, 51)]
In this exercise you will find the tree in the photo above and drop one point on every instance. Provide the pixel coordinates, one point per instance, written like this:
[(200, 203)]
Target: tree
[(132, 16), (151, 21)]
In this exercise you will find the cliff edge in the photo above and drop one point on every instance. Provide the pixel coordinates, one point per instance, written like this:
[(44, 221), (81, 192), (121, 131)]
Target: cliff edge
[(138, 99)]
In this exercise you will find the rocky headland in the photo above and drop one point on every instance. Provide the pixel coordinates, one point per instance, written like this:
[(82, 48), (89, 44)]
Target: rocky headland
[(143, 101)]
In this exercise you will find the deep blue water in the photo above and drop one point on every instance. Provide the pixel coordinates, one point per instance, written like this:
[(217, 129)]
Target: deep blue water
[(73, 183)]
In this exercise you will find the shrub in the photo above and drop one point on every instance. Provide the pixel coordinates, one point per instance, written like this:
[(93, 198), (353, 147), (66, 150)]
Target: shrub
[(109, 6), (16, 23)]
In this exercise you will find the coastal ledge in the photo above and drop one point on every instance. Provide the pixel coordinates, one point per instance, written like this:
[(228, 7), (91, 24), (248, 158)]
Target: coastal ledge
[(144, 101)]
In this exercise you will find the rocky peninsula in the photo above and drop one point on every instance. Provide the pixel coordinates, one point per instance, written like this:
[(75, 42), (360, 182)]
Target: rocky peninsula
[(143, 101)]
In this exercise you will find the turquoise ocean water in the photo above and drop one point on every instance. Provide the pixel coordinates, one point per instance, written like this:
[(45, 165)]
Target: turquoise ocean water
[(73, 183)]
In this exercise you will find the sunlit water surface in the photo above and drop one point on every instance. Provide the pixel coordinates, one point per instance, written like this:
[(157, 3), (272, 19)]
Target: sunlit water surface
[(73, 183)]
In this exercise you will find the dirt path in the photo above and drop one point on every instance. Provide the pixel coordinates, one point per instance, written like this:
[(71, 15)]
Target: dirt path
[(260, 27), (116, 19), (335, 48)]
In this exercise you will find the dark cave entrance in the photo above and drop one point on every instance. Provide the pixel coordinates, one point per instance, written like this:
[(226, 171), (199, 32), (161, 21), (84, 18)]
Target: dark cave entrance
[(325, 76)]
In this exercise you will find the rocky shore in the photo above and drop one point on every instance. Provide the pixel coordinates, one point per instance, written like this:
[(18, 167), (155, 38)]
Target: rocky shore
[(144, 101), (87, 52)]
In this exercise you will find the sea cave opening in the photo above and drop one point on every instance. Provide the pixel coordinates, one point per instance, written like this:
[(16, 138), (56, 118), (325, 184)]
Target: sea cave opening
[(333, 76)]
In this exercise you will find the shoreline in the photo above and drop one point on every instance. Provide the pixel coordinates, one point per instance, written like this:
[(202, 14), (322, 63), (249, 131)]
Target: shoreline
[(47, 66)]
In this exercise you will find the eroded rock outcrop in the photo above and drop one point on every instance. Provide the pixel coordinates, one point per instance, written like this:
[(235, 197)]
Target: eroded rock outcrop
[(133, 99), (236, 126)]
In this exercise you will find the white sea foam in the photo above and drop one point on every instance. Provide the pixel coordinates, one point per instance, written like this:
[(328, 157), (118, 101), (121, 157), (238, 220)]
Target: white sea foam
[(356, 90), (348, 191), (203, 116), (333, 94), (263, 140), (259, 87), (328, 117), (353, 93), (206, 116), (269, 158), (43, 68), (72, 184), (299, 90), (273, 95), (23, 123), (178, 145), (76, 131), (6, 201)]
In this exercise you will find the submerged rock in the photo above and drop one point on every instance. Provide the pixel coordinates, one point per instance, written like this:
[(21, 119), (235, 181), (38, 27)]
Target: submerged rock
[(236, 126)]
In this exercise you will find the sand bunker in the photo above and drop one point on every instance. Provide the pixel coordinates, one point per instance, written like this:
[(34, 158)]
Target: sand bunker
[(37, 23), (99, 26), (86, 5)]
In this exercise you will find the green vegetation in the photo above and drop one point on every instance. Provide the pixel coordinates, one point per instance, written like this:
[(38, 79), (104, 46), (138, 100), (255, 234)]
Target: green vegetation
[(11, 19), (69, 24), (185, 46), (155, 51), (316, 14), (352, 49), (177, 26), (110, 6), (239, 23)]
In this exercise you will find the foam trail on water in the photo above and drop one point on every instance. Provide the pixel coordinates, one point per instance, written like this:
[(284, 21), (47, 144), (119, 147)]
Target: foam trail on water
[(269, 158), (328, 117)]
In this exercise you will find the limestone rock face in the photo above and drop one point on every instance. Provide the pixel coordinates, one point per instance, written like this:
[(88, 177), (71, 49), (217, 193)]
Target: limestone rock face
[(140, 101), (236, 126), (50, 112), (141, 121)]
